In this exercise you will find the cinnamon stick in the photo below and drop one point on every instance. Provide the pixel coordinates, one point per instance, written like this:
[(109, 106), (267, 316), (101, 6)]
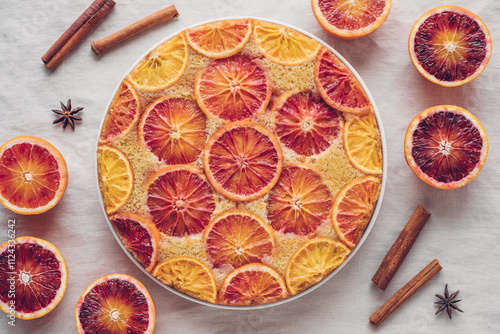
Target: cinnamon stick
[(163, 15), (400, 248), (405, 292), (76, 32)]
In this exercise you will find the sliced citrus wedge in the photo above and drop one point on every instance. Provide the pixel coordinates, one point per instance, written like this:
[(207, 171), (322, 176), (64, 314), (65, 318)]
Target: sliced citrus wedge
[(117, 178), (174, 130), (115, 303), (312, 262), (237, 238), (300, 202), (220, 39), (233, 88), (283, 45), (353, 208), (252, 284), (338, 86), (33, 277), (163, 66), (180, 200), (243, 160), (363, 145), (188, 275), (123, 113)]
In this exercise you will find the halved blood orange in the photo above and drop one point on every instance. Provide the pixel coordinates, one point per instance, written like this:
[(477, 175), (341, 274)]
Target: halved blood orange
[(362, 144), (174, 130), (450, 45), (188, 275), (233, 88), (349, 19), (33, 175), (243, 160), (252, 284), (283, 45), (237, 238), (300, 202), (115, 303), (353, 208), (312, 262), (338, 86), (446, 146), (180, 200), (33, 277), (220, 39), (139, 236), (123, 113), (305, 123)]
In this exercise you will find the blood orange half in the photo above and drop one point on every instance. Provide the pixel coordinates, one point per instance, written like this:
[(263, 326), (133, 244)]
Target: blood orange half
[(446, 146), (180, 200), (33, 277), (450, 45), (33, 175)]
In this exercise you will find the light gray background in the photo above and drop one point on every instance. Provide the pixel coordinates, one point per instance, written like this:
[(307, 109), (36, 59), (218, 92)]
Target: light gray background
[(462, 233)]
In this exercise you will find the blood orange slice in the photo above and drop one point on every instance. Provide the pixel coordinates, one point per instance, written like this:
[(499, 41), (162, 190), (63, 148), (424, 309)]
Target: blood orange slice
[(115, 303), (305, 123), (123, 113), (349, 19), (139, 236), (243, 161), (450, 45), (300, 202), (353, 208), (33, 175), (338, 86), (180, 200), (188, 275), (233, 88), (446, 146), (220, 39), (252, 284), (363, 145), (238, 238), (174, 130), (33, 277)]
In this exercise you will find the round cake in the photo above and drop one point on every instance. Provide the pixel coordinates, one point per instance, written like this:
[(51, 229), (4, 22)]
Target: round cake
[(240, 162)]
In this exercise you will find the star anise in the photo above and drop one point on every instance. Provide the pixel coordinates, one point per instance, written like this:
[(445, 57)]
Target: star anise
[(67, 116), (448, 302)]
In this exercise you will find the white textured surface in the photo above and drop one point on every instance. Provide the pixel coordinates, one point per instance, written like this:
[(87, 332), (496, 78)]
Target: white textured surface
[(462, 233)]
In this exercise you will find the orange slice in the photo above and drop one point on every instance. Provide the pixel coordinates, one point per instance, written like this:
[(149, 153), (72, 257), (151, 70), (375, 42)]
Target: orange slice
[(300, 202), (238, 238), (220, 39), (305, 123), (180, 200), (233, 88), (33, 276), (174, 130), (338, 86), (123, 113), (139, 236), (312, 262), (252, 284), (349, 19), (243, 161), (115, 303), (33, 175), (353, 208), (446, 146), (117, 178), (283, 45), (163, 66), (363, 145), (450, 45), (188, 275)]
